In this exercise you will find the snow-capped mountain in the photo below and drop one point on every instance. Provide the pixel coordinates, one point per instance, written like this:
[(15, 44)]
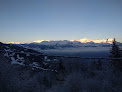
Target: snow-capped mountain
[(53, 44), (84, 40), (75, 43), (59, 44)]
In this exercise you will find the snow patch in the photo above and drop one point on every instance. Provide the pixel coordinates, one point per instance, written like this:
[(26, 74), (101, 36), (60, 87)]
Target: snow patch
[(6, 54)]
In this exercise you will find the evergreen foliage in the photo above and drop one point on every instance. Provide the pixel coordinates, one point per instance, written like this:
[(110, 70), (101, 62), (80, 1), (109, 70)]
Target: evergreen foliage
[(60, 71), (115, 51)]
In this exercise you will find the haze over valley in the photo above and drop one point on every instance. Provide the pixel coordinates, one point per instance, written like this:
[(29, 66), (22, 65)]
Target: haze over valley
[(60, 45)]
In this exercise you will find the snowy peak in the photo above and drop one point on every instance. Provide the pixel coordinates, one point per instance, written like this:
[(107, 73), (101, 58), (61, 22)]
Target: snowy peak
[(64, 42), (85, 40)]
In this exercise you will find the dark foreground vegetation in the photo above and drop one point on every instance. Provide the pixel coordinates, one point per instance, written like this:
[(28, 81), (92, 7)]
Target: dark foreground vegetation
[(21, 70)]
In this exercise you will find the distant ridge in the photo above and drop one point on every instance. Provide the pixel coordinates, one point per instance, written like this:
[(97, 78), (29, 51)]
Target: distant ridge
[(84, 40)]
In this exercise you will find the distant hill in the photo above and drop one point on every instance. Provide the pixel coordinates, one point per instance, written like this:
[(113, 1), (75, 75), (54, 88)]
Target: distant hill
[(44, 45), (26, 57)]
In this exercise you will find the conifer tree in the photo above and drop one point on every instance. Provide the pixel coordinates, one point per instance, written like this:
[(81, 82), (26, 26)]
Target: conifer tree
[(92, 69), (60, 71), (99, 65), (115, 51)]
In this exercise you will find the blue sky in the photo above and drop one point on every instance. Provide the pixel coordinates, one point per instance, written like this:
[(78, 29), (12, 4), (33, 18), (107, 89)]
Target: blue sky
[(30, 20)]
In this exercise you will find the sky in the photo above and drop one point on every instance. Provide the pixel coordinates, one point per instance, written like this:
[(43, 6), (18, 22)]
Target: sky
[(30, 20)]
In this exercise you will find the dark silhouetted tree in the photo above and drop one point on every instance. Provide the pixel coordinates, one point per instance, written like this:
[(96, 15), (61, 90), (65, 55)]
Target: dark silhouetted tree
[(60, 72), (115, 55), (92, 69), (115, 51), (99, 65)]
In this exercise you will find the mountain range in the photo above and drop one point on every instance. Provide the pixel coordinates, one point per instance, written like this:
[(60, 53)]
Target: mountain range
[(84, 40), (57, 44)]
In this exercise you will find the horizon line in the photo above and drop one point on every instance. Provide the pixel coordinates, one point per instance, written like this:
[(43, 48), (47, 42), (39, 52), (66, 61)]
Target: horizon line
[(84, 40)]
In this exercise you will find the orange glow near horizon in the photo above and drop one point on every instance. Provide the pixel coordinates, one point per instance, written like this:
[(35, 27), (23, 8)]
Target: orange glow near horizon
[(84, 40)]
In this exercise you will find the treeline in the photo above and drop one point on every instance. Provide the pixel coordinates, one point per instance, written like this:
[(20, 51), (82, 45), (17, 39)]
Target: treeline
[(71, 75)]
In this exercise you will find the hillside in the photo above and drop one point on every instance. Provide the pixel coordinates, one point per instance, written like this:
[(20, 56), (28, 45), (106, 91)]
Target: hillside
[(27, 70)]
